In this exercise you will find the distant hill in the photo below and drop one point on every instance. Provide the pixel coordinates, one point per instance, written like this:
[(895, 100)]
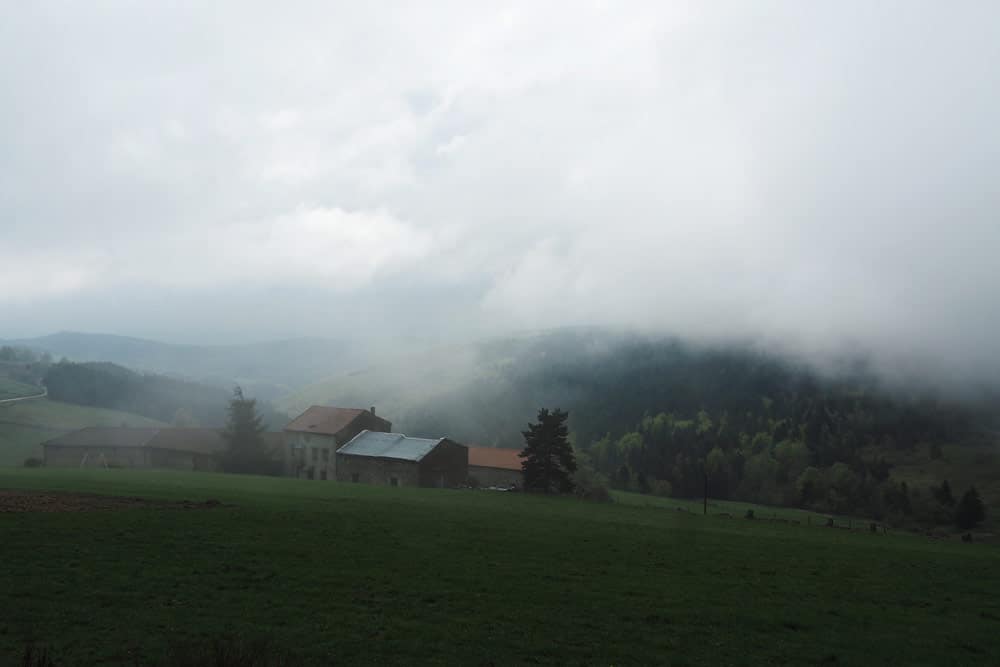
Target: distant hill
[(25, 425), (264, 369), (170, 399)]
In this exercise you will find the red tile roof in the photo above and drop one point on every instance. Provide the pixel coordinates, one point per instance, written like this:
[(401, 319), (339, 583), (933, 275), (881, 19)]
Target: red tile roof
[(495, 457), (324, 419)]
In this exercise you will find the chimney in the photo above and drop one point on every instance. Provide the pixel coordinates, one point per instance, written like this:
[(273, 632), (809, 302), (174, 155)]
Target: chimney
[(373, 409)]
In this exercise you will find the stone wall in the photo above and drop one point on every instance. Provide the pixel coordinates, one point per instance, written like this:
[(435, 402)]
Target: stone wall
[(304, 455), (96, 457), (445, 466), (381, 472)]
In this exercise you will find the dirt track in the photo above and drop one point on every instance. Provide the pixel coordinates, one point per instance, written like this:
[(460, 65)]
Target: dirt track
[(48, 501)]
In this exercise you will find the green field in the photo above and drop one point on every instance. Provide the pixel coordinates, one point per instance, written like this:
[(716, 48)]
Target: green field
[(13, 389), (24, 425), (350, 574), (736, 509)]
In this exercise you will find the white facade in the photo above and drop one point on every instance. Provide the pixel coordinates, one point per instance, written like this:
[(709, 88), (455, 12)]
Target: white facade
[(311, 456)]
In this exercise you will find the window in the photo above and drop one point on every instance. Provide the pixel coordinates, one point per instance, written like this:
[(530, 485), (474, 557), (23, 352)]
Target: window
[(314, 453), (311, 473), (354, 477), (322, 474), (393, 481), (326, 454)]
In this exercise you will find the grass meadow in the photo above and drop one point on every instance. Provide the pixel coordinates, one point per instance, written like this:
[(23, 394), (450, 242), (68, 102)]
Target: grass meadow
[(13, 389), (351, 574)]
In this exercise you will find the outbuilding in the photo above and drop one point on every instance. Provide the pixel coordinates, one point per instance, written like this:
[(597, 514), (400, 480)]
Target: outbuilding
[(179, 448), (394, 459), (495, 467)]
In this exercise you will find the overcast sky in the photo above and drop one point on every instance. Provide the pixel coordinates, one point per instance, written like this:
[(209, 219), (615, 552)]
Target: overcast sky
[(825, 174)]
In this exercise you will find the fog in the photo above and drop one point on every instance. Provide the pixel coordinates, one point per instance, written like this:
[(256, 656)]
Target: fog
[(819, 179)]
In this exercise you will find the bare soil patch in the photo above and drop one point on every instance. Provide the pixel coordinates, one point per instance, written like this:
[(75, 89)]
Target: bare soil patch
[(12, 500)]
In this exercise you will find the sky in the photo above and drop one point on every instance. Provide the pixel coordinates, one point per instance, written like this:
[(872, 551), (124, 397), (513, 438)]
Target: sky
[(822, 176)]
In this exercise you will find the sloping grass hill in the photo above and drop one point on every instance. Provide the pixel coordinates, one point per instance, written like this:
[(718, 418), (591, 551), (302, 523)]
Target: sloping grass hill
[(13, 389), (26, 424), (352, 574)]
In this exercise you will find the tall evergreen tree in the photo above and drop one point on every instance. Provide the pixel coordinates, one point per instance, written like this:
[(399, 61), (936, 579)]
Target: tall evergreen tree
[(247, 452), (548, 461), (970, 510), (944, 495)]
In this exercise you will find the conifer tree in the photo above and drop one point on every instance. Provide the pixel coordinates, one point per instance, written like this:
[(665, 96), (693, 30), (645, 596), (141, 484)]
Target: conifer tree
[(943, 494), (548, 462), (970, 510), (247, 452)]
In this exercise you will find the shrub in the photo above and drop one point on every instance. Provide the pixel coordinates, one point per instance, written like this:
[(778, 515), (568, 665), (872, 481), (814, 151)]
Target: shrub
[(597, 494), (33, 462), (748, 515), (661, 488)]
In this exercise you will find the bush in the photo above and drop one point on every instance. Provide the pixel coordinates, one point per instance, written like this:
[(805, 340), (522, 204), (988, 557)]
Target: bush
[(597, 494), (748, 515), (661, 488), (588, 483), (33, 462)]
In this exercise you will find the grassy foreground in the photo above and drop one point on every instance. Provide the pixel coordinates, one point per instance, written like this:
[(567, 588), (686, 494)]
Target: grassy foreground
[(349, 574)]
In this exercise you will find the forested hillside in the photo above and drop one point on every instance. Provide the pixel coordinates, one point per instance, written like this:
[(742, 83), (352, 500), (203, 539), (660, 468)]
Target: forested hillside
[(107, 385), (655, 415)]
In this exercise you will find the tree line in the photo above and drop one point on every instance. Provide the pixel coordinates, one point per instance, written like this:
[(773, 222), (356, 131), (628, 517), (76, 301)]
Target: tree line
[(655, 416), (179, 402)]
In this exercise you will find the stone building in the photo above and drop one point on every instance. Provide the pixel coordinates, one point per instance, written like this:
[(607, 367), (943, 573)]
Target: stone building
[(393, 459), (313, 438), (178, 448), (495, 467)]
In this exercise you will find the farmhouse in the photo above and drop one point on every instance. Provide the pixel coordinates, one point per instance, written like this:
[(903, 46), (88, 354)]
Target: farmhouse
[(494, 466), (313, 437), (393, 459), (180, 448)]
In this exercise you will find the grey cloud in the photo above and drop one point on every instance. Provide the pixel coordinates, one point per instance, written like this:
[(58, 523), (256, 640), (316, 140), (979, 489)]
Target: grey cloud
[(810, 176)]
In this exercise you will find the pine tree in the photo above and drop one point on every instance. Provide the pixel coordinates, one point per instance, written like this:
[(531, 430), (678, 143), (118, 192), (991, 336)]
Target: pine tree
[(970, 510), (548, 461), (943, 494), (246, 452)]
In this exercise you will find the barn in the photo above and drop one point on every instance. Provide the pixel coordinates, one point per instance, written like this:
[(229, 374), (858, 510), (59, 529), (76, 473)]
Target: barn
[(313, 437), (179, 448), (394, 459), (495, 467)]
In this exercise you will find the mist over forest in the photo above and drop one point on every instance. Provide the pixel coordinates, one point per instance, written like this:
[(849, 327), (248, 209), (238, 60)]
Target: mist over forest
[(647, 413)]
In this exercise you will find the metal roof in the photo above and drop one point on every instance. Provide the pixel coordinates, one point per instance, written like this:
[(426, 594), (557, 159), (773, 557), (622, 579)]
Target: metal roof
[(389, 446)]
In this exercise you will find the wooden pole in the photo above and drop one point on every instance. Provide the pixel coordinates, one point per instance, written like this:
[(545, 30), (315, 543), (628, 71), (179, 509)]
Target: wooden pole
[(705, 506)]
